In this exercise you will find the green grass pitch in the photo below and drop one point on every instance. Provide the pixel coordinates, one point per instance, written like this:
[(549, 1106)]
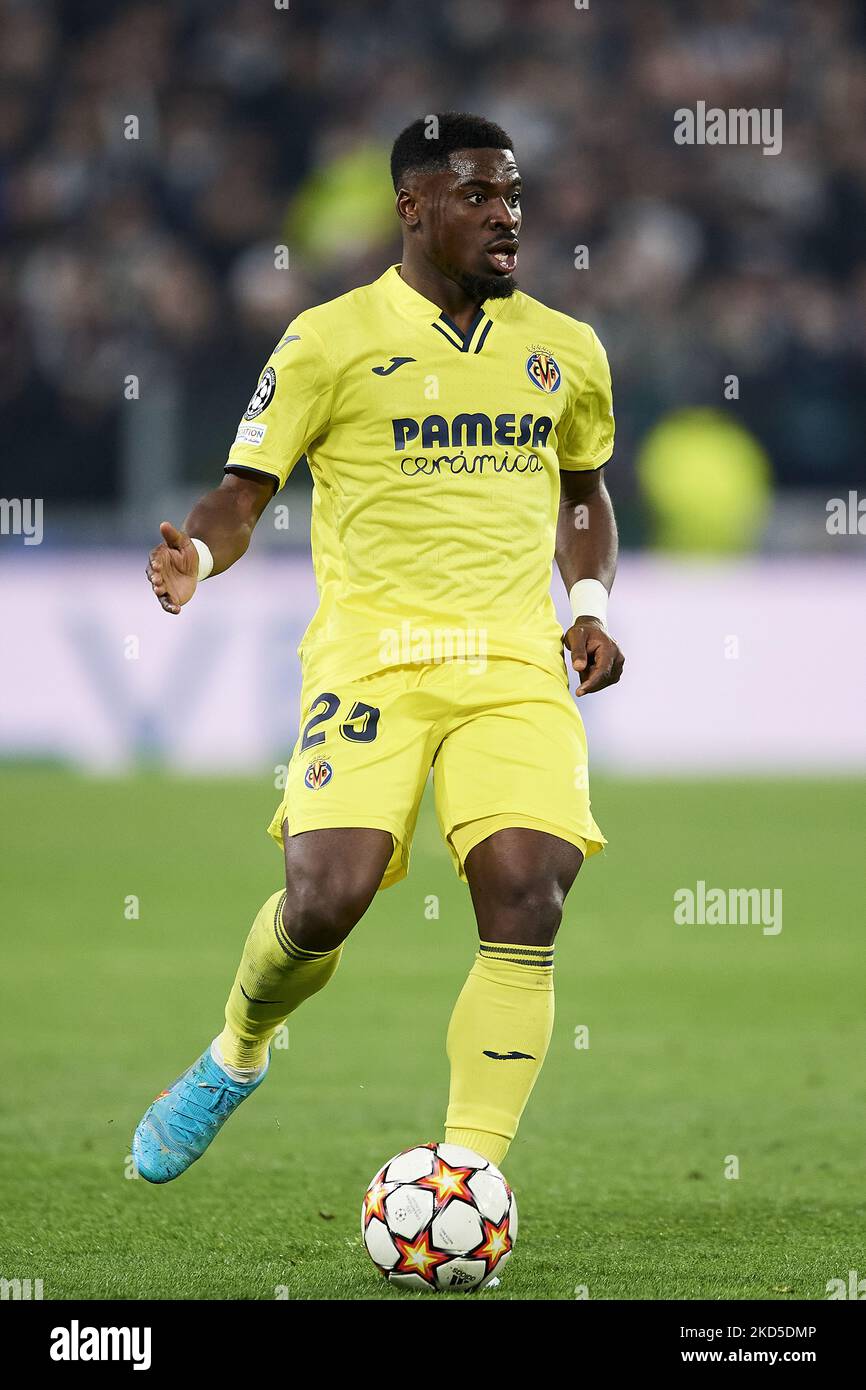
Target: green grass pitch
[(704, 1042)]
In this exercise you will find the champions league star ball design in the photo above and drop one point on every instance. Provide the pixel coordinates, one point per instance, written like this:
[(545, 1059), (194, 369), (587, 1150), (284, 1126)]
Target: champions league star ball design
[(439, 1217)]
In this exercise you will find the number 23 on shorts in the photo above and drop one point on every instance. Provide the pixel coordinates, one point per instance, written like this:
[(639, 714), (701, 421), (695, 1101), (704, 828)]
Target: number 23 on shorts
[(360, 725)]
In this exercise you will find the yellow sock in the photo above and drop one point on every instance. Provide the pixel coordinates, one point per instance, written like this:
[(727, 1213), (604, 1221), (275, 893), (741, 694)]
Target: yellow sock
[(497, 1042), (273, 978)]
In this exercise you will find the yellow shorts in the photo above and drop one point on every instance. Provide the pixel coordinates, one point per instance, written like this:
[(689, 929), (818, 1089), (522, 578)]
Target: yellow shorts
[(506, 745)]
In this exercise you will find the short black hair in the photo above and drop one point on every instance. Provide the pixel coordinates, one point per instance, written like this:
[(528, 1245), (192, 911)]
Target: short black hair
[(424, 146)]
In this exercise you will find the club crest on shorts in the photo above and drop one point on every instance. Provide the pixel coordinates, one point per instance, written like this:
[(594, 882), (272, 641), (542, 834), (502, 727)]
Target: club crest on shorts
[(543, 371), (318, 774)]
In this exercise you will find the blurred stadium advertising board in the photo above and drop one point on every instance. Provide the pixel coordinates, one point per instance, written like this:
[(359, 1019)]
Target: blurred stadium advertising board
[(745, 666)]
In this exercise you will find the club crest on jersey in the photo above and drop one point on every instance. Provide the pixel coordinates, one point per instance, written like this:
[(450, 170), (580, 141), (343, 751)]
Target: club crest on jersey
[(318, 774), (543, 371)]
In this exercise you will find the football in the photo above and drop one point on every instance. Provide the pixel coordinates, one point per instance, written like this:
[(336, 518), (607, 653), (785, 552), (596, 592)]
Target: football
[(439, 1217)]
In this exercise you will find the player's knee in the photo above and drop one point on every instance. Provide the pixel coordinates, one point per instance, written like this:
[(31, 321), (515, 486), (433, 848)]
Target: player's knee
[(528, 907), (322, 905)]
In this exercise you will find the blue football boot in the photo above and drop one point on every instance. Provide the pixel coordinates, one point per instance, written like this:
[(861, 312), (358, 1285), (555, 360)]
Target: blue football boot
[(177, 1128)]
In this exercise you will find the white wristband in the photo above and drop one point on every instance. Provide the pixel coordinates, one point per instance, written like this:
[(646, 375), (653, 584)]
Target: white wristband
[(588, 598), (205, 559)]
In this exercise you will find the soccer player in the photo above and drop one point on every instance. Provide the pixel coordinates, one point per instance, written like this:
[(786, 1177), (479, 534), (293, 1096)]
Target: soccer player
[(456, 431)]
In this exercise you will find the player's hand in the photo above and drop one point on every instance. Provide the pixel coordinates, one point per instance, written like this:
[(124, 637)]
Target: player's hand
[(594, 655), (172, 568)]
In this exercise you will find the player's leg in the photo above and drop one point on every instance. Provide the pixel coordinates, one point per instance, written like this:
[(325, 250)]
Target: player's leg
[(501, 1025), (290, 954), (513, 801), (352, 792), (295, 942), (518, 880), (361, 759)]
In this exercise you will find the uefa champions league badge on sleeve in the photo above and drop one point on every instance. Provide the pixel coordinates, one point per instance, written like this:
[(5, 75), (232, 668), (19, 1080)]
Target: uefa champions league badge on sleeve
[(318, 774), (263, 394)]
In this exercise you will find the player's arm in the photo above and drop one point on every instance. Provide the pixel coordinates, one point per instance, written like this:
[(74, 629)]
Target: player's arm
[(224, 519), (586, 549), (290, 406)]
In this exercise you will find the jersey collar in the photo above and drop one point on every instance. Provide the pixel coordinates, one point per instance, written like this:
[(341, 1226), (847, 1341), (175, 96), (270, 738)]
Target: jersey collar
[(417, 307)]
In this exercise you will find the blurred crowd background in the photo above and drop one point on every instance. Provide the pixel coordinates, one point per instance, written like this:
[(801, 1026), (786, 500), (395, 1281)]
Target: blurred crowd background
[(259, 126)]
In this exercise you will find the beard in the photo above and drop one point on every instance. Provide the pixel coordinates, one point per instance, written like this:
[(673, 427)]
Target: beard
[(481, 287)]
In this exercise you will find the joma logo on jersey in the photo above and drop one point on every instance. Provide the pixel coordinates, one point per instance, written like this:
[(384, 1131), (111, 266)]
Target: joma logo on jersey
[(436, 432), (543, 371), (318, 774)]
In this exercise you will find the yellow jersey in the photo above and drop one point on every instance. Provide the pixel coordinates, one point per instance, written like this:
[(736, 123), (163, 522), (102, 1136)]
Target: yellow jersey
[(435, 457)]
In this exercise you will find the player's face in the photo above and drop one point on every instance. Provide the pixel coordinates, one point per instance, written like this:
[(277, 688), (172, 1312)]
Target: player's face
[(469, 218)]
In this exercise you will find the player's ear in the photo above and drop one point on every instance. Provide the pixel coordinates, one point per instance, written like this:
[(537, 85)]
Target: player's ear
[(407, 207)]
